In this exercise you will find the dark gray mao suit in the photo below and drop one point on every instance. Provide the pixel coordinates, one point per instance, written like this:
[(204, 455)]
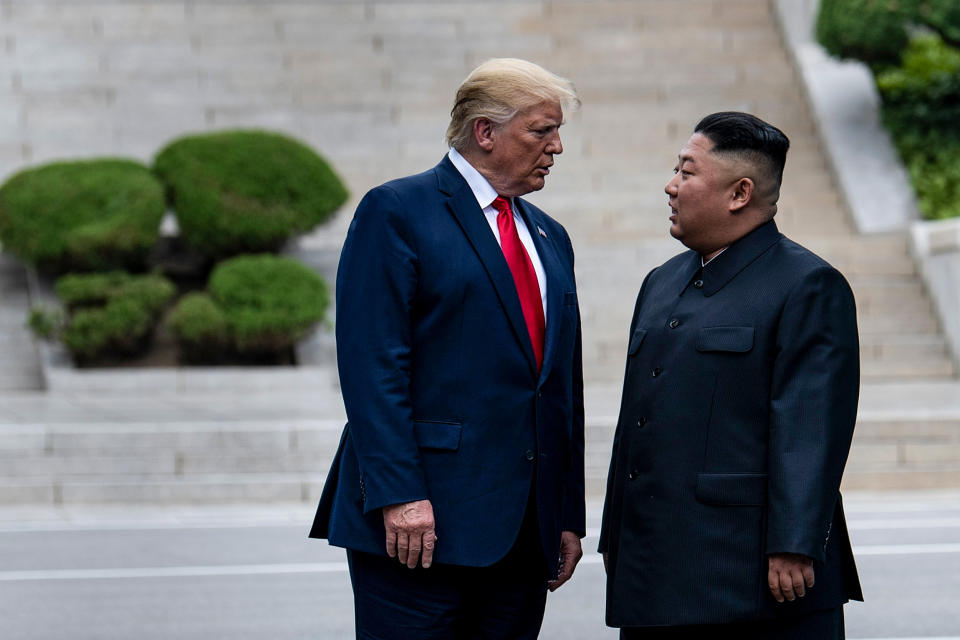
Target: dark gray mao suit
[(739, 402)]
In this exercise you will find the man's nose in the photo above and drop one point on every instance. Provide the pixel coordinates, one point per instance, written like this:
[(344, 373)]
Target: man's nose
[(556, 146), (671, 188)]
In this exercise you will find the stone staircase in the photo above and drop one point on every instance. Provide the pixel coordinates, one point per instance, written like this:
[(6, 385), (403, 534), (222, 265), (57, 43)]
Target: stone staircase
[(369, 84)]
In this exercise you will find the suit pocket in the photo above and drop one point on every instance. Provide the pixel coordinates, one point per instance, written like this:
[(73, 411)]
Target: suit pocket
[(732, 489), (636, 340), (437, 434), (730, 339)]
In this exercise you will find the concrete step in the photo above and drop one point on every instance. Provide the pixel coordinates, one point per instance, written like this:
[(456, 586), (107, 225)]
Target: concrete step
[(208, 489), (902, 478)]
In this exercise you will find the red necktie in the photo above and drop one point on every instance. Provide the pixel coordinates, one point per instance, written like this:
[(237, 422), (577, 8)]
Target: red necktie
[(523, 276)]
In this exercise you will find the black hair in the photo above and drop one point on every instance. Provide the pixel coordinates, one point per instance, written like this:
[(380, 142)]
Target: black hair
[(746, 135)]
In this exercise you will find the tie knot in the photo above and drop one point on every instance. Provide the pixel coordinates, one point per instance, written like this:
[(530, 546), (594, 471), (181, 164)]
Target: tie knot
[(502, 205)]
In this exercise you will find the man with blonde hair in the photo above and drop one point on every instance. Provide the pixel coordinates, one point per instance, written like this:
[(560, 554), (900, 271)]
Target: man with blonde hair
[(457, 488)]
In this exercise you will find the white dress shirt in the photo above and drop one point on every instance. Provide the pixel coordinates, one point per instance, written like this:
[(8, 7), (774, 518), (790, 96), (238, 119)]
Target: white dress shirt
[(485, 195)]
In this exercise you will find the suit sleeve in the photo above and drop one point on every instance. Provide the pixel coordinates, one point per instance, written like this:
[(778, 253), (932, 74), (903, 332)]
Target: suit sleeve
[(815, 387), (611, 498), (376, 287), (574, 513)]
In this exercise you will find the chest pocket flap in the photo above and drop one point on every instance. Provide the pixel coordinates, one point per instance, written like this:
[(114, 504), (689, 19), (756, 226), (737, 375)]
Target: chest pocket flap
[(636, 340), (731, 339)]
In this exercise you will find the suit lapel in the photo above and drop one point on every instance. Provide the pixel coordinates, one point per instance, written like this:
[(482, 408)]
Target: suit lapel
[(465, 209), (552, 267)]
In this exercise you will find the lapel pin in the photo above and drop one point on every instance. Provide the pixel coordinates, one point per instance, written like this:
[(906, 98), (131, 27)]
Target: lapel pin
[(541, 231)]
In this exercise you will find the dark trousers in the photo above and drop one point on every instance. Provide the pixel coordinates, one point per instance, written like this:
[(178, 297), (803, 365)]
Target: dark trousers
[(820, 625), (446, 602)]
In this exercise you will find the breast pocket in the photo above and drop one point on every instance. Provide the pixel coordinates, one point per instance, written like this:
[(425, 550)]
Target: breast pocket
[(725, 339)]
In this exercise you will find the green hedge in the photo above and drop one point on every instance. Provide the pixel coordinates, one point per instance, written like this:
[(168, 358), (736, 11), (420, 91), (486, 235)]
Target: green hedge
[(246, 191), (921, 109), (85, 216), (870, 30), (913, 47), (110, 314), (258, 304), (200, 327)]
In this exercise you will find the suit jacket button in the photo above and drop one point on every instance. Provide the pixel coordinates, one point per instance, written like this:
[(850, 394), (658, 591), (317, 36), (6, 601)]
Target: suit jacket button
[(529, 454), (641, 422), (698, 284), (633, 475), (656, 372), (674, 323)]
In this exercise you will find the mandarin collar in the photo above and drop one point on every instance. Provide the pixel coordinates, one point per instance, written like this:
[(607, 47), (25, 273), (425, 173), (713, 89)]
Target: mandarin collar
[(722, 269)]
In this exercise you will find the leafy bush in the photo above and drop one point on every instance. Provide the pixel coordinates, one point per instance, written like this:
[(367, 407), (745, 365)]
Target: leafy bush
[(84, 215), (45, 323), (921, 109), (120, 328), (269, 302), (257, 305), (913, 47), (200, 327), (110, 314), (246, 191), (869, 30)]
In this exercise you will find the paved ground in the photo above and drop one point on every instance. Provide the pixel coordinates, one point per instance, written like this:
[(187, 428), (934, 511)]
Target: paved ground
[(245, 573)]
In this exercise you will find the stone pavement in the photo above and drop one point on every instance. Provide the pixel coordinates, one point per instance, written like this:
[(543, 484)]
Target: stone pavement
[(251, 573), (369, 83)]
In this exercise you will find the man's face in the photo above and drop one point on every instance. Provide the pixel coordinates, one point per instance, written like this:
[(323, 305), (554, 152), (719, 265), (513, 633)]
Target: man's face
[(523, 150), (699, 197)]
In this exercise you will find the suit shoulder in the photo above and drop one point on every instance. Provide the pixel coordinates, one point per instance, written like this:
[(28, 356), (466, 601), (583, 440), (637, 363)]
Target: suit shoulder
[(805, 265), (800, 259), (399, 197), (408, 186)]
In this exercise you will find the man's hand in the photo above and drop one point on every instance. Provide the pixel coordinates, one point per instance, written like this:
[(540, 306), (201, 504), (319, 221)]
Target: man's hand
[(570, 554), (789, 575), (410, 530)]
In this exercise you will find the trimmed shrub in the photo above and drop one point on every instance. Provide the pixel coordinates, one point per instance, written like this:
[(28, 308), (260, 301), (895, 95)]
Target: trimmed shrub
[(200, 327), (269, 302), (869, 30), (921, 109), (121, 328), (246, 191), (81, 216), (913, 47), (152, 291), (110, 314)]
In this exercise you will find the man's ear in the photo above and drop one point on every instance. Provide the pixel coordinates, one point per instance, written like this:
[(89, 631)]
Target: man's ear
[(742, 194), (484, 132)]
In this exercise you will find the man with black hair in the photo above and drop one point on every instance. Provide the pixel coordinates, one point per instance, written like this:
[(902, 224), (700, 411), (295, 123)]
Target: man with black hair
[(723, 511)]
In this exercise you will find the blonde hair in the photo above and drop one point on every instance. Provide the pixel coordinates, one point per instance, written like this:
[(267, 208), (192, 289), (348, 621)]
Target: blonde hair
[(500, 88)]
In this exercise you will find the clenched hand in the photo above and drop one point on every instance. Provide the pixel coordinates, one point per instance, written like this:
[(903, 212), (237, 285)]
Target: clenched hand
[(410, 532), (789, 575), (570, 554)]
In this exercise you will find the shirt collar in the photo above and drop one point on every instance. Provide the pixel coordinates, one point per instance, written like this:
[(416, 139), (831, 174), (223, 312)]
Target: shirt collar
[(482, 191), (704, 263)]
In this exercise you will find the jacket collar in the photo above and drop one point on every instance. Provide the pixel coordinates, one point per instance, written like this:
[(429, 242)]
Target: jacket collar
[(738, 256)]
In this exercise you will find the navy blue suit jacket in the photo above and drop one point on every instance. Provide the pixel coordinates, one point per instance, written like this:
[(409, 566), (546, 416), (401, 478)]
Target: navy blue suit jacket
[(439, 380), (739, 402)]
